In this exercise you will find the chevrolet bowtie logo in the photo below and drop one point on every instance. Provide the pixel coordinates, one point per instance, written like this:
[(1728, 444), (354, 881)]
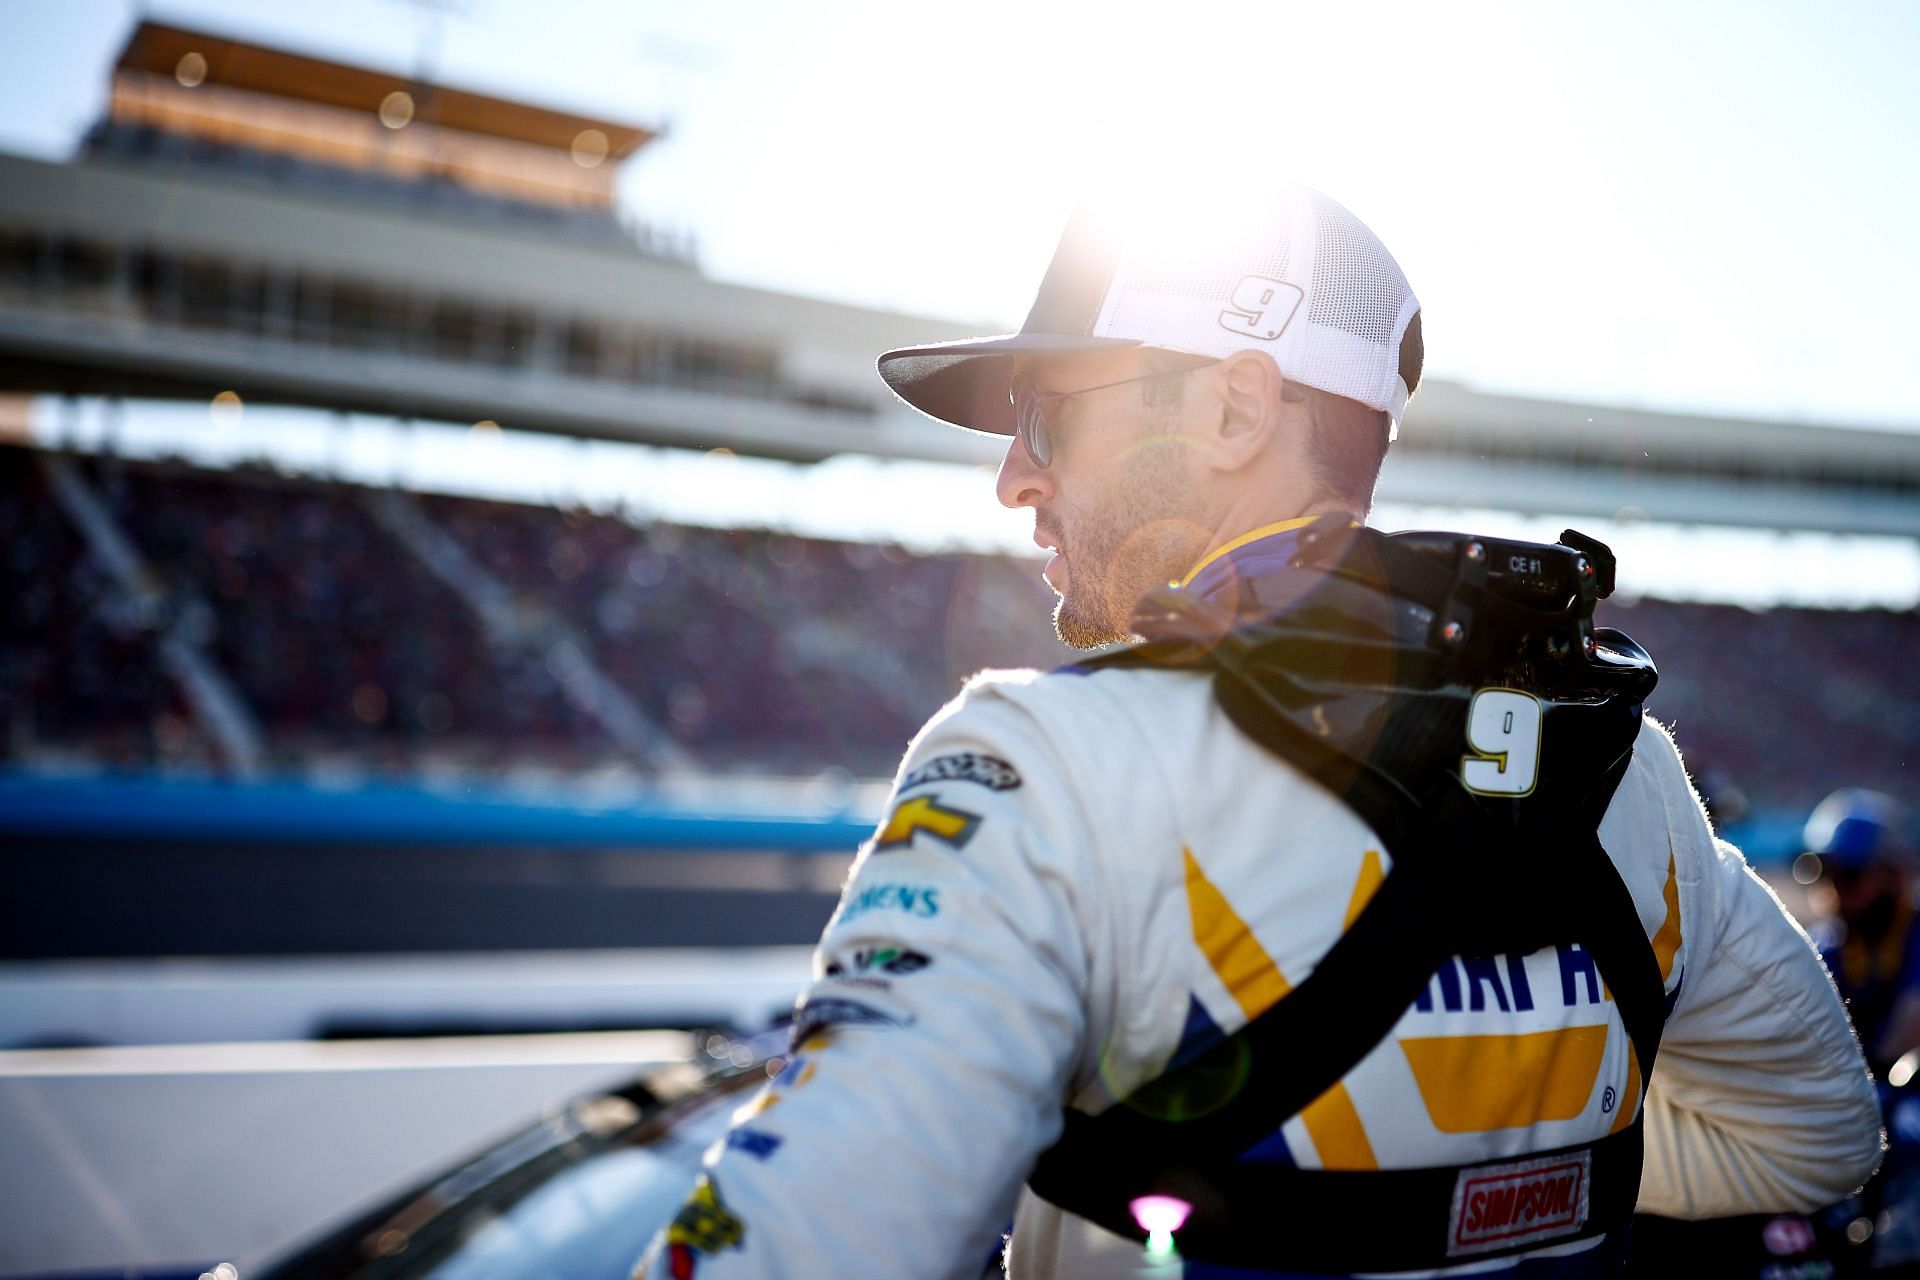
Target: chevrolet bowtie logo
[(925, 813)]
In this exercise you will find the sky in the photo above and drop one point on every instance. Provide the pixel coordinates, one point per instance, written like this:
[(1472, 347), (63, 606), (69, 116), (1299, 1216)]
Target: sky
[(1702, 206)]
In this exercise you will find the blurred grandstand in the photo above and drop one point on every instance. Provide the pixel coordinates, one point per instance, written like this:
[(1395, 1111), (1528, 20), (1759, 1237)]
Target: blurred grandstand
[(385, 633), (382, 632)]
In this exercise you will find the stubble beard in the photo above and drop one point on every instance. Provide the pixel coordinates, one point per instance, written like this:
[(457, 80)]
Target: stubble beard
[(1078, 632), (1141, 538)]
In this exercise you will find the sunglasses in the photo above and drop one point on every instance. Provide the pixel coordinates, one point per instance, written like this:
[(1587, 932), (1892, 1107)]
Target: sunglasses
[(1033, 411)]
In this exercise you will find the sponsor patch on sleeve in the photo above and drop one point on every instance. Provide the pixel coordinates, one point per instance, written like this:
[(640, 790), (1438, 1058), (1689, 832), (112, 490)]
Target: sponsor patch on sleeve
[(1519, 1202), (922, 901), (897, 960), (868, 962), (925, 815), (704, 1225), (755, 1142), (820, 1012), (991, 772)]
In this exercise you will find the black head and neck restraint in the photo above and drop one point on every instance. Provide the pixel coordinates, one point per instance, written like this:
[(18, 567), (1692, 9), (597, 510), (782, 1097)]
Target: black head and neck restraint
[(1453, 691)]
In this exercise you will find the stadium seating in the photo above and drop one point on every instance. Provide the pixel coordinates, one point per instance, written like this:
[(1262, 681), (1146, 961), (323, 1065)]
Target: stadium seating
[(1789, 703), (80, 671), (752, 651)]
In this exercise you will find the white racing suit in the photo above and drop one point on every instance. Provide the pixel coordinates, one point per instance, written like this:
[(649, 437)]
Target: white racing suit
[(1082, 871)]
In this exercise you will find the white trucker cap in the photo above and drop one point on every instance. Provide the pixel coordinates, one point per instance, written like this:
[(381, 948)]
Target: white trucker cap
[(1292, 274)]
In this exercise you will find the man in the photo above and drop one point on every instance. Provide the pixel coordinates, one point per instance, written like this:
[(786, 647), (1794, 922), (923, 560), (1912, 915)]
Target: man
[(1091, 882), (1869, 941)]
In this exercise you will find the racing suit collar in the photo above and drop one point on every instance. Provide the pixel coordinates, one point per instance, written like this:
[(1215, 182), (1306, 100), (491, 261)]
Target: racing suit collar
[(1257, 553)]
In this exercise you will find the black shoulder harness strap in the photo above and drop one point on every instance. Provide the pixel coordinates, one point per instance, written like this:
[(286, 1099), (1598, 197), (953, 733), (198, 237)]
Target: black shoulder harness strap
[(1362, 679)]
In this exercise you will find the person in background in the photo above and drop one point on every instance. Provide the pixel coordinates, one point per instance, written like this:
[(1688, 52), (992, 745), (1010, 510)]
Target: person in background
[(1868, 937)]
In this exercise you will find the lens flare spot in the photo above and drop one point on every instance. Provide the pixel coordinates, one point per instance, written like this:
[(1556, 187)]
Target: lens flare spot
[(226, 408), (1160, 1217), (589, 148), (396, 109)]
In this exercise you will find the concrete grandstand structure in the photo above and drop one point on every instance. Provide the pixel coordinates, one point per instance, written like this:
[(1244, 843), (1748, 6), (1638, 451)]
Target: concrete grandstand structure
[(250, 220), (311, 258)]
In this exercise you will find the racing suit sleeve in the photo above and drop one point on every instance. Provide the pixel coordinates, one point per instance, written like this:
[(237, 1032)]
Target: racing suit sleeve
[(1760, 1100), (932, 1052)]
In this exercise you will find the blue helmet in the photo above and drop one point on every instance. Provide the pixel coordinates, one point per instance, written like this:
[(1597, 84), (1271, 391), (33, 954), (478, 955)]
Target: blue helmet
[(1852, 828)]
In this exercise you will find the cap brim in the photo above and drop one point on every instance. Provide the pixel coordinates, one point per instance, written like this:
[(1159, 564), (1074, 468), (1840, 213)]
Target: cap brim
[(964, 383)]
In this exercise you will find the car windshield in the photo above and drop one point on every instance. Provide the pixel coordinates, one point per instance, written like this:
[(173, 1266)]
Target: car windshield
[(592, 1219), (578, 1195)]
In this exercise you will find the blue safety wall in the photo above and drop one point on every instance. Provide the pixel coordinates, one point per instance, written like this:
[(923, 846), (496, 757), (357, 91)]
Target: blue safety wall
[(139, 807), (144, 808)]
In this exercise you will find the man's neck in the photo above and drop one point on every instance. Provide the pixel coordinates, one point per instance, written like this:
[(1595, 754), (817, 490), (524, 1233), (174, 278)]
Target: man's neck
[(1241, 527)]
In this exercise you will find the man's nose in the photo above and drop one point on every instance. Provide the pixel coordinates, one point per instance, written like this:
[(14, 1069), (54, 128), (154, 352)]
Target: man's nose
[(1022, 482)]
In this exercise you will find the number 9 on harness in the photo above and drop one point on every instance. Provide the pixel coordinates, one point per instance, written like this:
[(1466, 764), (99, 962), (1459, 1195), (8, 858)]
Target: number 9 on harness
[(1503, 732)]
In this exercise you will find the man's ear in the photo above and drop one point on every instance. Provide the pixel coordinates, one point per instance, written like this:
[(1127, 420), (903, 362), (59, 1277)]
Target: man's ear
[(1250, 394)]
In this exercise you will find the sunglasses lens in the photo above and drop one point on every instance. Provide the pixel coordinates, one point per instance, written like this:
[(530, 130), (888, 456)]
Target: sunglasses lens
[(1035, 438), (1030, 423)]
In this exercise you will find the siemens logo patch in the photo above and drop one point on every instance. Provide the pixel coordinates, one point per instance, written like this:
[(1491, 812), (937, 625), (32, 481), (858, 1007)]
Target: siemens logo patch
[(914, 899)]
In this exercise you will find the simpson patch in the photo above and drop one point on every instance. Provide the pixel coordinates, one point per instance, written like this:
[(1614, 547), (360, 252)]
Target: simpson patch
[(1521, 1201)]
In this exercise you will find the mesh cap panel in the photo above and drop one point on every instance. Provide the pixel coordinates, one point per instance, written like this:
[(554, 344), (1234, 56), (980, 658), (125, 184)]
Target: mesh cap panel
[(1358, 288), (1303, 280)]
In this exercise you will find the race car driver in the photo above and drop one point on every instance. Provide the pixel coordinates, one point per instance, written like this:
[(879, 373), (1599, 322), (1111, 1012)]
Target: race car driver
[(1089, 878)]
